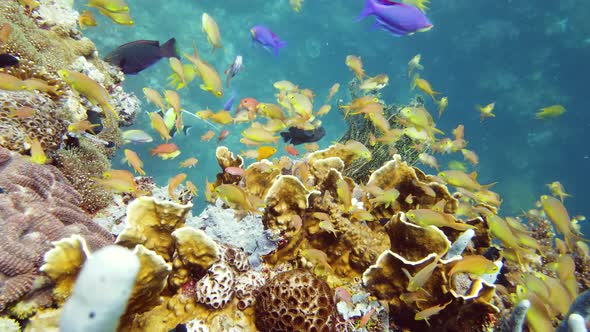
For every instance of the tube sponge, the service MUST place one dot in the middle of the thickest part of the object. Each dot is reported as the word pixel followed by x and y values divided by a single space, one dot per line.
pixel 101 291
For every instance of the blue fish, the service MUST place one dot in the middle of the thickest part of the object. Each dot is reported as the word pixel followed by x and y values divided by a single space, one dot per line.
pixel 397 18
pixel 265 37
pixel 229 103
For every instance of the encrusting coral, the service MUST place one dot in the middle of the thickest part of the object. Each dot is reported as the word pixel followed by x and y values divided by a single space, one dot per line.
pixel 37 206
pixel 295 300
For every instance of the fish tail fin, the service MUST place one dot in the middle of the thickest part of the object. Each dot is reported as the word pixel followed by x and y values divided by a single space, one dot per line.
pixel 278 46
pixel 286 136
pixel 368 10
pixel 169 50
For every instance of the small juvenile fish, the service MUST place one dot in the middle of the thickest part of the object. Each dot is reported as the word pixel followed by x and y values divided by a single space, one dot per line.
pixel 233 70
pixel 37 154
pixel 414 64
pixel 333 90
pixel 222 135
pixel 232 170
pixel 189 163
pixel 290 149
pixel 8 60
pixel 206 137
pixel 486 111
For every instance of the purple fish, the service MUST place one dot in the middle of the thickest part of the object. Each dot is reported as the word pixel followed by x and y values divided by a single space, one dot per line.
pixel 397 18
pixel 267 38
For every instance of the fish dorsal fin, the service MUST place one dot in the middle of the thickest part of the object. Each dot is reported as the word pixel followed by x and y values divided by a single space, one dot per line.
pixel 473 175
pixel 143 42
pixel 439 206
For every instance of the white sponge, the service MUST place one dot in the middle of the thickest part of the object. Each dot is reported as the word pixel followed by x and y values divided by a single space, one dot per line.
pixel 101 291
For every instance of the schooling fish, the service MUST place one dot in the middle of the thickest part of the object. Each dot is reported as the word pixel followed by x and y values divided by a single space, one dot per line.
pixel 233 69
pixel 298 136
pixel 268 39
pixel 137 55
pixel 397 18
pixel 7 60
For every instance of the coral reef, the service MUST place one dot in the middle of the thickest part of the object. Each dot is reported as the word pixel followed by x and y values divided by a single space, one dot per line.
pixel 295 301
pixel 361 129
pixel 80 165
pixel 47 124
pixel 37 206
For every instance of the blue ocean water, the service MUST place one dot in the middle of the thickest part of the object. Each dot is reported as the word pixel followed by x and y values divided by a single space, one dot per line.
pixel 523 55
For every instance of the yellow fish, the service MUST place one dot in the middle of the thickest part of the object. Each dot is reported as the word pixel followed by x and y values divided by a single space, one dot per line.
pixel 486 111
pixel 442 105
pixel 235 197
pixel 37 154
pixel 550 112
pixel 211 29
pixel 474 264
pixel 222 117
pixel 39 85
pixel 557 213
pixel 83 84
pixel 122 18
pixel 265 152
pixel 558 190
pixel 211 80
pixel 11 83
pixel 296 5
pixel 463 180
pixel 423 85
pixel 260 135
pixel 114 6
pixel 159 126
pixel 414 64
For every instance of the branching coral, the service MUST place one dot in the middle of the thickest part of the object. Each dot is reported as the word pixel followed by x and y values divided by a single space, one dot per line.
pixel 37 206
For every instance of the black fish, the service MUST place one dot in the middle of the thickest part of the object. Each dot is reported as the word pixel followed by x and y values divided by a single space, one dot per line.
pixel 7 60
pixel 299 136
pixel 137 55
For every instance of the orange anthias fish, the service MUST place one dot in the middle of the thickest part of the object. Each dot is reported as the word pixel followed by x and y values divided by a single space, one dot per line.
pixel 222 135
pixel 166 151
pixel 86 19
pixel 133 160
pixel 22 112
pixel 174 182
pixel 5 31
pixel 120 181
pixel 206 137
pixel 291 150
pixel 189 163
pixel 248 104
